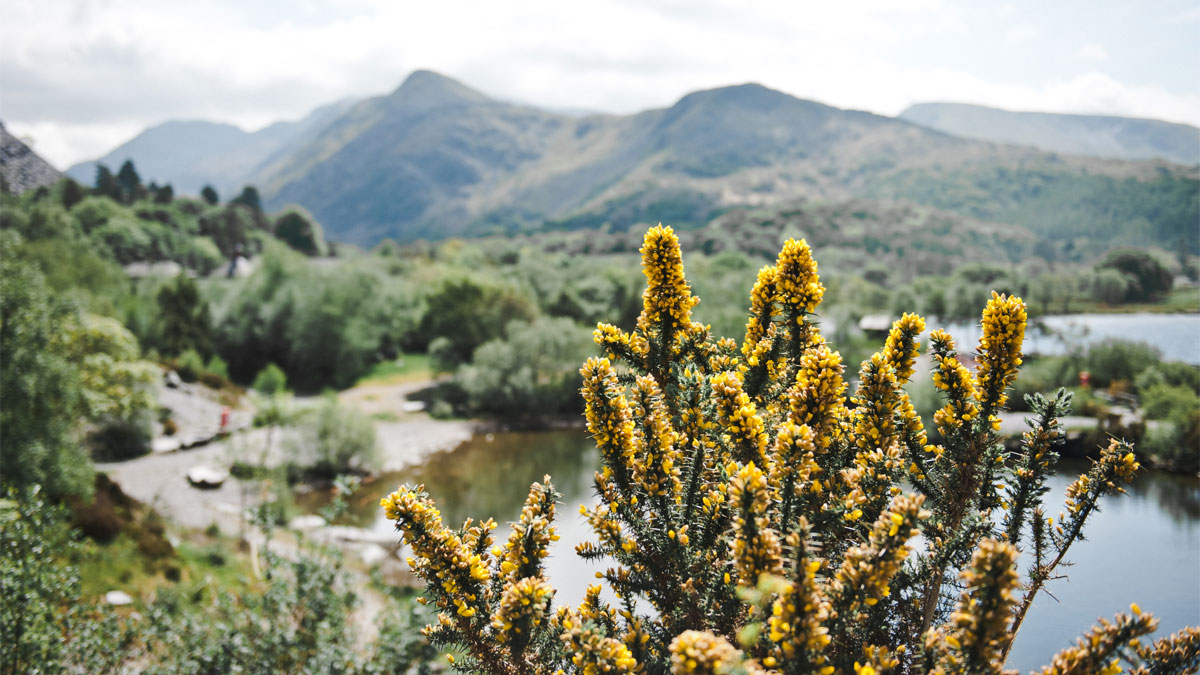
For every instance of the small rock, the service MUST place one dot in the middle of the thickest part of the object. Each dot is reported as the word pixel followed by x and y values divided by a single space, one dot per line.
pixel 358 535
pixel 413 406
pixel 164 444
pixel 373 555
pixel 202 476
pixel 118 598
pixel 172 379
pixel 308 522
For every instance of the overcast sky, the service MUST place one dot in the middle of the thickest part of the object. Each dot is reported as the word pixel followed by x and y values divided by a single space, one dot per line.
pixel 78 77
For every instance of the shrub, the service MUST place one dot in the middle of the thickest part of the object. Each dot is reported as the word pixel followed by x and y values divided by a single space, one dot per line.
pixel 339 439
pixel 270 380
pixel 533 372
pixel 190 365
pixel 216 366
pixel 762 514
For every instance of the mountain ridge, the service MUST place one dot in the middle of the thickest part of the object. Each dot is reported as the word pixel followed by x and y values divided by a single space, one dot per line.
pixel 435 158
pixel 1109 136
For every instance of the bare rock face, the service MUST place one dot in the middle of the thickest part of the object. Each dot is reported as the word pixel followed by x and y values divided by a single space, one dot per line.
pixel 21 167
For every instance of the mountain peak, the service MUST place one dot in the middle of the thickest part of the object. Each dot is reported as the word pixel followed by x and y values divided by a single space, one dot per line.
pixel 434 89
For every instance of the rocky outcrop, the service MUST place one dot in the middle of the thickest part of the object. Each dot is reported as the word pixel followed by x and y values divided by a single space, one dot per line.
pixel 21 167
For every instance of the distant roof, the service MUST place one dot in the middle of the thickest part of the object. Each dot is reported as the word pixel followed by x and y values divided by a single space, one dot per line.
pixel 875 322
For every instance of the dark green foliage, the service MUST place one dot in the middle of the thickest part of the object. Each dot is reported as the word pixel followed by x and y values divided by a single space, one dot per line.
pixel 234 228
pixel 31 617
pixel 129 183
pixel 72 193
pixel 297 229
pixel 209 195
pixel 119 439
pixel 184 319
pixel 163 195
pixel 251 633
pixel 106 183
pixel 40 397
pixel 323 326
pixel 45 626
pixel 1146 277
pixel 468 313
pixel 249 198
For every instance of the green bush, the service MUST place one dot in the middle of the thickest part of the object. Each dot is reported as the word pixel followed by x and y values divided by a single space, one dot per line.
pixel 1114 360
pixel 190 365
pixel 1164 401
pixel 41 397
pixel 45 626
pixel 216 366
pixel 532 373
pixel 270 380
pixel 338 439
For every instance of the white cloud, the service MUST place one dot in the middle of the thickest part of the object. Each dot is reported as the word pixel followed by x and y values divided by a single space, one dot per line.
pixel 1092 53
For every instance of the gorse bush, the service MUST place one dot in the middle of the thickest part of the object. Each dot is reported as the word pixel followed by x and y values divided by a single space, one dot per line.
pixel 758 520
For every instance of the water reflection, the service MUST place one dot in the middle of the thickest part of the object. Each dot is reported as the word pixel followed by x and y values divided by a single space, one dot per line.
pixel 1143 547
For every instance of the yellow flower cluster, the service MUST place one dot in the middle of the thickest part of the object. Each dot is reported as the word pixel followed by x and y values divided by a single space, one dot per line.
pixel 953 378
pixel 523 605
pixel 739 418
pixel 655 464
pixel 900 351
pixel 874 415
pixel 440 556
pixel 816 398
pixel 796 626
pixel 696 652
pixel 521 556
pixel 864 575
pixel 609 419
pixel 593 653
pixel 1178 653
pixel 755 548
pixel 975 639
pixel 1098 652
pixel 999 348
pixel 667 301
pixel 742 495
pixel 798 286
pixel 1116 465
pixel 762 309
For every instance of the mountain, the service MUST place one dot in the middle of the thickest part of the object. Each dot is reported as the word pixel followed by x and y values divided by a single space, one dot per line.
pixel 192 154
pixel 436 159
pixel 21 168
pixel 1092 135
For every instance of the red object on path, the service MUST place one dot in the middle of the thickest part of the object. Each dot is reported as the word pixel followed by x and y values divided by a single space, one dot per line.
pixel 1085 379
pixel 224 417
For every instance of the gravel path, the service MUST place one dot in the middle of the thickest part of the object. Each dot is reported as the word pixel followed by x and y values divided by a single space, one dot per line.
pixel 160 479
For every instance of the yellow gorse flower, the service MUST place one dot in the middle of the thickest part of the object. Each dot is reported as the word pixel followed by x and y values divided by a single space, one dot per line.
pixel 746 500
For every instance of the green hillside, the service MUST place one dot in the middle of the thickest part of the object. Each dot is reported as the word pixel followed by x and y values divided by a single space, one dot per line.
pixel 436 159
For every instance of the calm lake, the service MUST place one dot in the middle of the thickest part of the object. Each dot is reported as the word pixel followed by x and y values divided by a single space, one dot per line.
pixel 1176 335
pixel 1143 547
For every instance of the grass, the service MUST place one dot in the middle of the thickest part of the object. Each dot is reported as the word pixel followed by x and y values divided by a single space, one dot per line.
pixel 407 368
pixel 1179 300
pixel 199 560
pixel 385 416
